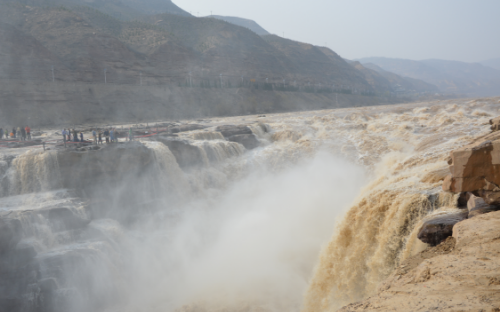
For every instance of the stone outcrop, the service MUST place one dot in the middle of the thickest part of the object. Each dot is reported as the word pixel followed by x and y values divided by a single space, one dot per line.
pixel 241 134
pixel 461 274
pixel 185 128
pixel 495 124
pixel 249 141
pixel 475 173
pixel 475 166
pixel 230 130
pixel 436 229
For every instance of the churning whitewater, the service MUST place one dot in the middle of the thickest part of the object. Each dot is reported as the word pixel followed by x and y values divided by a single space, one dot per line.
pixel 313 218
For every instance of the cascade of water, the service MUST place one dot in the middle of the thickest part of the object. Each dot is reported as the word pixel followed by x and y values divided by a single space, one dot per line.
pixel 219 151
pixel 34 172
pixel 407 152
pixel 168 177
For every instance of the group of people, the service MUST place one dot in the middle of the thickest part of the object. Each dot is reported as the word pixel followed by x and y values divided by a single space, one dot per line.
pixel 71 135
pixel 110 135
pixel 19 132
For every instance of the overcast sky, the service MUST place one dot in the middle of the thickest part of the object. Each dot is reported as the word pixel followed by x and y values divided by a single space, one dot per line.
pixel 414 29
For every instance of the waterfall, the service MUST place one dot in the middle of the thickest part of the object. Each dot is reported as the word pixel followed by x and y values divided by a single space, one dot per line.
pixel 219 151
pixel 379 230
pixel 168 178
pixel 327 206
pixel 34 171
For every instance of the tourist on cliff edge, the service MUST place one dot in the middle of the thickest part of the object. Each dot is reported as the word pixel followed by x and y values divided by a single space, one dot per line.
pixel 23 134
pixel 28 132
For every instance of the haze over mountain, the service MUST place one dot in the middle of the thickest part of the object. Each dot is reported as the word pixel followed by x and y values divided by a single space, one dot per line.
pixel 472 79
pixel 85 63
pixel 80 42
pixel 493 63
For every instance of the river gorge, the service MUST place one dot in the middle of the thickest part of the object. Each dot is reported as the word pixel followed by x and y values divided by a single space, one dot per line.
pixel 305 211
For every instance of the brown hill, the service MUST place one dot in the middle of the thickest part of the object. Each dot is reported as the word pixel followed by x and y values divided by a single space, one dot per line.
pixel 311 63
pixel 167 47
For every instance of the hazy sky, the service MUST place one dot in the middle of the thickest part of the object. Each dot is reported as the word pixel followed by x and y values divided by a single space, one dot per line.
pixel 415 29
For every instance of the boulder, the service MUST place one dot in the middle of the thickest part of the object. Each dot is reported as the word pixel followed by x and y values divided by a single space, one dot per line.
pixel 483 210
pixel 231 130
pixel 437 228
pixel 490 197
pixel 495 124
pixel 475 202
pixel 477 206
pixel 475 166
pixel 249 141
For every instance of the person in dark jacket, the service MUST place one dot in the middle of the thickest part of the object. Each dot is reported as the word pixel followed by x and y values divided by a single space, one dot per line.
pixel 14 131
pixel 75 136
pixel 23 134
pixel 106 134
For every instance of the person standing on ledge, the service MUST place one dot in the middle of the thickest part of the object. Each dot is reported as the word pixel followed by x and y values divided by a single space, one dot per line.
pixel 14 131
pixel 75 136
pixel 64 134
pixel 23 134
pixel 100 137
pixel 94 135
pixel 106 134
pixel 28 132
pixel 81 136
pixel 111 137
pixel 1 133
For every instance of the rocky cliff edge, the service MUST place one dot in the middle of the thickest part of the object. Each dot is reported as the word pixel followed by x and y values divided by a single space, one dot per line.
pixel 460 271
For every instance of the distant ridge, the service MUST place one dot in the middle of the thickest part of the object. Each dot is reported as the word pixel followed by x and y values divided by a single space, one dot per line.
pixel 452 77
pixel 243 22
pixel 493 63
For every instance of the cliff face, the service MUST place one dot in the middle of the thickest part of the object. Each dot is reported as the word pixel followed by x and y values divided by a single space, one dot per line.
pixel 49 103
pixel 461 274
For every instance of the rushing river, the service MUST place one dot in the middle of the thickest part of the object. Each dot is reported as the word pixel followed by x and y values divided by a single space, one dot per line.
pixel 312 219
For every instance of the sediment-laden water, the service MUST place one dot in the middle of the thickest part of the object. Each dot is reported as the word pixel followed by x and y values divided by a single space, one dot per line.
pixel 313 218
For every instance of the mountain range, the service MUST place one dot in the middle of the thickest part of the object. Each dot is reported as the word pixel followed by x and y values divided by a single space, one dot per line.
pixel 156 42
pixel 493 63
pixel 452 77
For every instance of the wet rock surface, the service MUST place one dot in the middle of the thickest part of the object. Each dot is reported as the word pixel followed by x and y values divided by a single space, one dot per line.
pixel 232 130
pixel 185 128
pixel 249 141
pixel 436 229
pixel 187 155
